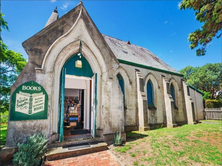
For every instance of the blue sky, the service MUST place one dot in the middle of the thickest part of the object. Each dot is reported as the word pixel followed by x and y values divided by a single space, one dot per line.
pixel 157 25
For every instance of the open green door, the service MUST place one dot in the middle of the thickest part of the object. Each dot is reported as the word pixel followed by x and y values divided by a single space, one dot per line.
pixel 62 98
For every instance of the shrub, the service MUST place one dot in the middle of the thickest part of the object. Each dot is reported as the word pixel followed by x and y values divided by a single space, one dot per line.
pixel 118 140
pixel 31 152
pixel 4 117
pixel 206 95
pixel 209 103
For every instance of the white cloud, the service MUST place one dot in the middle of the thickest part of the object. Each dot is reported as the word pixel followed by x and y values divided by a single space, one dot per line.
pixel 52 1
pixel 64 6
pixel 165 22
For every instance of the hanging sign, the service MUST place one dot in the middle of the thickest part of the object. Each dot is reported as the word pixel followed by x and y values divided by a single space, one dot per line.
pixel 29 102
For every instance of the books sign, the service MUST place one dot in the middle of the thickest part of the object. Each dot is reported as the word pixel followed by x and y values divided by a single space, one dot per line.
pixel 29 102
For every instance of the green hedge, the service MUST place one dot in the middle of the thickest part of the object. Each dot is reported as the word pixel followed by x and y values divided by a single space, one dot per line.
pixel 213 103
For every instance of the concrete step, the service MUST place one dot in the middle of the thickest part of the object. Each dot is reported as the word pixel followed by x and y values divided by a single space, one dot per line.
pixel 73 150
pixel 75 140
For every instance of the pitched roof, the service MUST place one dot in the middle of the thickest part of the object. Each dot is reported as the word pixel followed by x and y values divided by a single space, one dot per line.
pixel 136 54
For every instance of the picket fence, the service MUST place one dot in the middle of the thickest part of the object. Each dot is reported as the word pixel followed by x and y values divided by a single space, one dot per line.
pixel 213 113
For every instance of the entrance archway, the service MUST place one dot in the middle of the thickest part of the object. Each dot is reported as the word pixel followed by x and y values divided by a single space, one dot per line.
pixel 53 65
pixel 77 82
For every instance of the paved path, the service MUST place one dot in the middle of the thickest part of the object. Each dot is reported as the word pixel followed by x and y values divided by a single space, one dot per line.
pixel 103 158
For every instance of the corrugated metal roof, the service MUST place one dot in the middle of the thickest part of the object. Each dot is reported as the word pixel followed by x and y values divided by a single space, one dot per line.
pixel 136 54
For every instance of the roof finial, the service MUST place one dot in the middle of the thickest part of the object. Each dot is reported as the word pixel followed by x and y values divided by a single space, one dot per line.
pixel 55 10
pixel 80 46
pixel 80 2
pixel 54 16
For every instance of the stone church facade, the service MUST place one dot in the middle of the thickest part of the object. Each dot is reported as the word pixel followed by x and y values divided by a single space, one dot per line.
pixel 125 87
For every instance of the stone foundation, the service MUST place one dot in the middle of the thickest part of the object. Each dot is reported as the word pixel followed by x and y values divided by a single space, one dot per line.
pixel 6 155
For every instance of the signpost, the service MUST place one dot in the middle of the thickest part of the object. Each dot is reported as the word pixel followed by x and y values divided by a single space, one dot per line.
pixel 29 102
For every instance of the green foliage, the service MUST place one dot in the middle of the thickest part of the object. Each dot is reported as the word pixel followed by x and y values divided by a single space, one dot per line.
pixel 3 133
pixel 207 78
pixel 135 163
pixel 4 117
pixel 206 95
pixel 188 71
pixel 118 140
pixel 185 145
pixel 213 103
pixel 31 152
pixel 11 64
pixel 208 12
pixel 132 154
pixel 4 24
pixel 124 149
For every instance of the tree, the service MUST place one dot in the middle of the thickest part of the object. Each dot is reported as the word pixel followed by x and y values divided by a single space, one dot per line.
pixel 11 64
pixel 208 12
pixel 207 78
pixel 4 24
pixel 188 71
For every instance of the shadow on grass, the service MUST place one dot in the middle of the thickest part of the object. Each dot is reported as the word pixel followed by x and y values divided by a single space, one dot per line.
pixel 132 136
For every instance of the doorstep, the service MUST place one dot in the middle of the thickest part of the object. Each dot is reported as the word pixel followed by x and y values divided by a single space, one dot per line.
pixel 72 150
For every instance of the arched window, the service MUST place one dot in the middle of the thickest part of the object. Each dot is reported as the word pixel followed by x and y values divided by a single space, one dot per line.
pixel 121 83
pixel 172 92
pixel 150 100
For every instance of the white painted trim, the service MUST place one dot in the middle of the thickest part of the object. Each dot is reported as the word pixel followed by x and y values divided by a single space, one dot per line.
pixel 78 77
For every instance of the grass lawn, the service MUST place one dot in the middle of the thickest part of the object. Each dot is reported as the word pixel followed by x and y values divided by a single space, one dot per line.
pixel 199 144
pixel 3 133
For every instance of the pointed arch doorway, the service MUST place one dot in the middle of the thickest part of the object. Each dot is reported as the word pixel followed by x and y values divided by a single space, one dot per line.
pixel 77 99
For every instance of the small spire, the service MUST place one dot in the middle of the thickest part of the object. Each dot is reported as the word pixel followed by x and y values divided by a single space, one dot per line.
pixel 54 16
pixel 55 10
pixel 80 2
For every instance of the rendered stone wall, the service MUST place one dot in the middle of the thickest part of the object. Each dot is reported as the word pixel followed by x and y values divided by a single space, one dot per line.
pixel 157 116
pixel 198 104
pixel 188 101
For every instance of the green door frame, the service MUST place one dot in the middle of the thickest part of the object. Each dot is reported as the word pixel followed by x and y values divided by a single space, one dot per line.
pixel 62 104
pixel 62 93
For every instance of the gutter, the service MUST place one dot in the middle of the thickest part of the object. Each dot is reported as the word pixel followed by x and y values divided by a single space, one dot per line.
pixel 148 67
pixel 196 89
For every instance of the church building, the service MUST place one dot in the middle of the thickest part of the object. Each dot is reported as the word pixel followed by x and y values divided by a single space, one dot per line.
pixel 79 81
